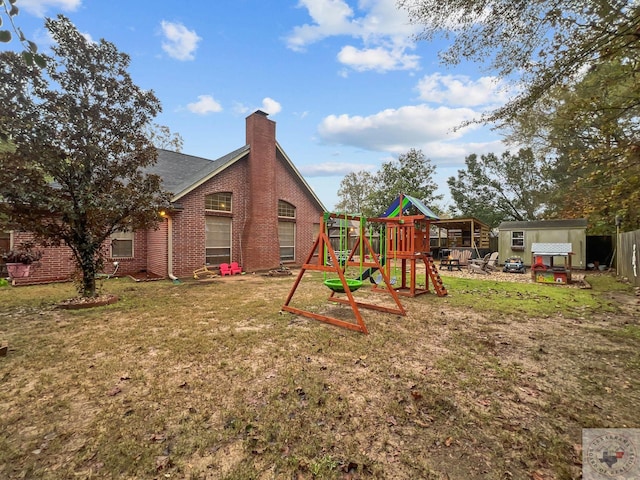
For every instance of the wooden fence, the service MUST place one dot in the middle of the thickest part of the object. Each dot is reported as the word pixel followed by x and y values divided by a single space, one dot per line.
pixel 628 257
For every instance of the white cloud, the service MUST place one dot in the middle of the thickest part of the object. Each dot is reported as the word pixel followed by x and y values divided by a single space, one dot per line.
pixel 461 90
pixel 331 17
pixel 240 108
pixel 270 106
pixel 40 7
pixel 379 59
pixel 383 29
pixel 334 169
pixel 205 104
pixel 88 37
pixel 396 130
pixel 181 43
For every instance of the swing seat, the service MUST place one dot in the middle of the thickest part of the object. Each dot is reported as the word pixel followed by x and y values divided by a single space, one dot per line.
pixel 336 285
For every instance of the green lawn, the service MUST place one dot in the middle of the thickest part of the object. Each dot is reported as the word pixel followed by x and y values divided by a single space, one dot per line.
pixel 211 380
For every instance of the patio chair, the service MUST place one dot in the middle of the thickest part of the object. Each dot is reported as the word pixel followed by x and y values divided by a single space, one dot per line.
pixel 492 263
pixel 225 269
pixel 481 262
pixel 235 268
pixel 477 268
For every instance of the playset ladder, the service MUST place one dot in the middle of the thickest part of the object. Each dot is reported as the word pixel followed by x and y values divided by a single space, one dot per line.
pixel 434 275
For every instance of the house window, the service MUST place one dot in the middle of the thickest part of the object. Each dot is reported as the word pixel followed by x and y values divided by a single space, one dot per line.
pixel 287 237
pixel 286 210
pixel 517 240
pixel 122 245
pixel 218 202
pixel 218 240
pixel 287 231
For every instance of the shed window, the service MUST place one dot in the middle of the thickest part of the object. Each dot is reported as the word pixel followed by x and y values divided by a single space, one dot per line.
pixel 517 240
pixel 218 202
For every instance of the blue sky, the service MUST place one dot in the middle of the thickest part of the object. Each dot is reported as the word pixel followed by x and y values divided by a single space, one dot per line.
pixel 344 81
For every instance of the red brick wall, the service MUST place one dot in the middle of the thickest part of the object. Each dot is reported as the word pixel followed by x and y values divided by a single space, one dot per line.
pixel 260 237
pixel 256 183
pixel 290 189
pixel 57 262
pixel 138 263
pixel 157 250
pixel 188 224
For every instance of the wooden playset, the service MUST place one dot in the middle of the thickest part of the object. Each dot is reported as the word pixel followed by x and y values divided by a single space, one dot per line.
pixel 404 244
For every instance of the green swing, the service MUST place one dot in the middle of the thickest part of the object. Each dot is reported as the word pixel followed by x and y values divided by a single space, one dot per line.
pixel 335 284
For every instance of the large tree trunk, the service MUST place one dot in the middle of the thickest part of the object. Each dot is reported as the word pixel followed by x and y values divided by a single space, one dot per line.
pixel 87 264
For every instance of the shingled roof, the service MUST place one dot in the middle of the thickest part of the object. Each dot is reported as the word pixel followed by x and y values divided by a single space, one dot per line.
pixel 182 173
pixel 539 224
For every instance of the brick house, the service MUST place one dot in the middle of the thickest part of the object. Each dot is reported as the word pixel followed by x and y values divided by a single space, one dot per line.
pixel 250 205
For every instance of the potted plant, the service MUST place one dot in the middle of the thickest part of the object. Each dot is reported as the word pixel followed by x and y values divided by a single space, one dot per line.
pixel 19 260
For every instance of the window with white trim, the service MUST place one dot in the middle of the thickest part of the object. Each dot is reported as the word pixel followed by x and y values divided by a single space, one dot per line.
pixel 287 231
pixel 287 238
pixel 122 245
pixel 217 240
pixel 517 240
pixel 218 202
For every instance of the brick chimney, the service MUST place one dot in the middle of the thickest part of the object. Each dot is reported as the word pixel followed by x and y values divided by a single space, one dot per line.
pixel 261 249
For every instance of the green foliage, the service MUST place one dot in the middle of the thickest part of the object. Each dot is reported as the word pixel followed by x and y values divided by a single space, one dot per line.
pixel 162 137
pixel 355 191
pixel 411 174
pixel 75 176
pixel 574 64
pixel 495 189
pixel 30 53
pixel 593 130
pixel 371 194
pixel 536 43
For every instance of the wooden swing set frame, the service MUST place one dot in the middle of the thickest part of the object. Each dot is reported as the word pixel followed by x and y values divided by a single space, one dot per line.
pixel 407 243
pixel 322 251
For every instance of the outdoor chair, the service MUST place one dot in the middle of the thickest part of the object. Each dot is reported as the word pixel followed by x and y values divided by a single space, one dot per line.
pixel 225 269
pixel 235 268
pixel 492 263
pixel 477 265
pixel 477 268
pixel 479 262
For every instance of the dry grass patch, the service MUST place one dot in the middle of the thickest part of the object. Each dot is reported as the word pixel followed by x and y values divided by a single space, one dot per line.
pixel 210 380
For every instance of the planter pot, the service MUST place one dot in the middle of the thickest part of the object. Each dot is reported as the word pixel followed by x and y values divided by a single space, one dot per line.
pixel 18 270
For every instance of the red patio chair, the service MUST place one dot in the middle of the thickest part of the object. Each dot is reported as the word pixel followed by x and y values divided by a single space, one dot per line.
pixel 235 268
pixel 225 269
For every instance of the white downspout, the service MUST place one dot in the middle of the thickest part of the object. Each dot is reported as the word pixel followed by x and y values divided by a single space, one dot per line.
pixel 170 249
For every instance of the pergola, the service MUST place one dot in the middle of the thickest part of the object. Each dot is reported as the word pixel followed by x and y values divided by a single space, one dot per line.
pixel 460 232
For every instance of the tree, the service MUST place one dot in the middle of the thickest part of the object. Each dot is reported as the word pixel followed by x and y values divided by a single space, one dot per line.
pixel 74 173
pixel 30 53
pixel 355 192
pixel 496 189
pixel 538 43
pixel 411 174
pixel 162 137
pixel 590 130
